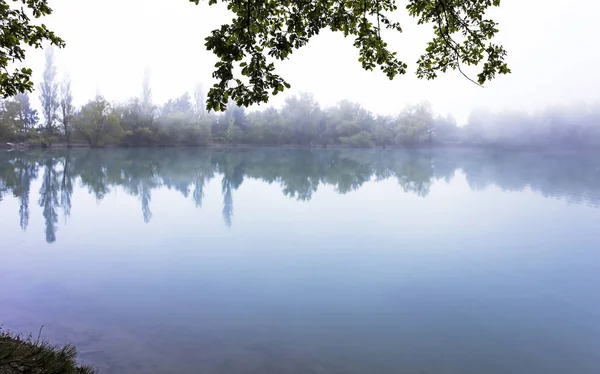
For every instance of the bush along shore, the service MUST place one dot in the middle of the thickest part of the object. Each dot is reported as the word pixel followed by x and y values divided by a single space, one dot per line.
pixel 24 354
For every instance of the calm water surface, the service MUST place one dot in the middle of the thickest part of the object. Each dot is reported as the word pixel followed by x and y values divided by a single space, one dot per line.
pixel 296 261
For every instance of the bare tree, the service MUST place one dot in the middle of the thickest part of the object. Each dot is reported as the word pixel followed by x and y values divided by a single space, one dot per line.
pixel 49 92
pixel 66 110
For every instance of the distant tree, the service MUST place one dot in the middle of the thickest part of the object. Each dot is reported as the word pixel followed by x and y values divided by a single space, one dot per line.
pixel 267 127
pixel 66 109
pixel 383 131
pixel 28 117
pixel 446 130
pixel 137 117
pixel 7 129
pixel 182 104
pixel 146 100
pixel 180 123
pixel 237 126
pixel 17 118
pixel 199 101
pixel 18 30
pixel 49 93
pixel 137 123
pixel 350 124
pixel 415 125
pixel 478 125
pixel 302 114
pixel 98 123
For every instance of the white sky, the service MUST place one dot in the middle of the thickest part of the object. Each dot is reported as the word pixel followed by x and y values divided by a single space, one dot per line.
pixel 551 48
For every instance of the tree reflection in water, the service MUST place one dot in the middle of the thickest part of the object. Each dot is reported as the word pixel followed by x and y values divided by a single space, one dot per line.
pixel 299 172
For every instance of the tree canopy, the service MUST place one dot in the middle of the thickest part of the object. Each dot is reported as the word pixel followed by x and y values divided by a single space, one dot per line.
pixel 264 31
pixel 17 29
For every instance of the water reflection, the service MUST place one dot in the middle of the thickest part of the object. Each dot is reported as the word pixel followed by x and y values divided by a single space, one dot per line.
pixel 15 177
pixel 300 173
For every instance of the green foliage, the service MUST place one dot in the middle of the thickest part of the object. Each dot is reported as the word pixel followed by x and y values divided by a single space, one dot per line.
pixel 9 120
pixel 301 121
pixel 176 123
pixel 362 139
pixel 302 114
pixel 137 122
pixel 183 124
pixel 467 19
pixel 267 128
pixel 17 30
pixel 17 118
pixel 415 125
pixel 20 354
pixel 98 123
pixel 264 31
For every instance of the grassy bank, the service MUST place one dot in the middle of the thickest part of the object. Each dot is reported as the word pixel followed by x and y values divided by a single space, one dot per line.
pixel 24 354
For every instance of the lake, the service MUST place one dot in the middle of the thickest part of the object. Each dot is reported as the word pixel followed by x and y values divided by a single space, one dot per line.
pixel 305 261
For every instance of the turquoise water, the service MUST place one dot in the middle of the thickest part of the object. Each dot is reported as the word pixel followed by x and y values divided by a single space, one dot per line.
pixel 305 261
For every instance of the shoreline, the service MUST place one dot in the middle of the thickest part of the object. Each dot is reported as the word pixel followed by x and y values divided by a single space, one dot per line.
pixel 24 354
pixel 9 147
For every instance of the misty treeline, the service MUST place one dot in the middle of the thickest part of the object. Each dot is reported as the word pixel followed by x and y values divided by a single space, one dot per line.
pixel 183 121
pixel 299 173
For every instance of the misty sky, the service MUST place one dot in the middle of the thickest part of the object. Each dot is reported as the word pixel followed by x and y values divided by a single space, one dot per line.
pixel 550 43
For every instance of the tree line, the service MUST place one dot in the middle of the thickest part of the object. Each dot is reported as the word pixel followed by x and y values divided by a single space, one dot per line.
pixel 300 173
pixel 184 121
